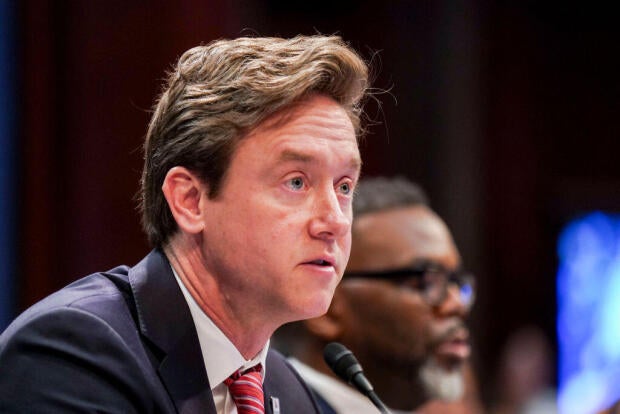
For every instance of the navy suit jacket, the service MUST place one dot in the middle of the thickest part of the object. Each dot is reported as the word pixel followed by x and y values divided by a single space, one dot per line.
pixel 324 406
pixel 121 341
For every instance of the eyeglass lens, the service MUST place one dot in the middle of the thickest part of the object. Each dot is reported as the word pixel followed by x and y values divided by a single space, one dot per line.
pixel 434 285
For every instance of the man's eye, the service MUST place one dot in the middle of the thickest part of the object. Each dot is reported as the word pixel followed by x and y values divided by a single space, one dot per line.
pixel 345 188
pixel 296 183
pixel 415 283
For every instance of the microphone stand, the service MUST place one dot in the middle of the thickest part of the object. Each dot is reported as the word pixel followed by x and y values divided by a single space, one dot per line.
pixel 378 403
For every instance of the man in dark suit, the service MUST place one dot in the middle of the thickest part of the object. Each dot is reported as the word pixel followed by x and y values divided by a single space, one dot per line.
pixel 251 160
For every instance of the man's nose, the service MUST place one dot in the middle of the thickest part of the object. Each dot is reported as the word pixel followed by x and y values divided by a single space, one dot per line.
pixel 329 220
pixel 453 304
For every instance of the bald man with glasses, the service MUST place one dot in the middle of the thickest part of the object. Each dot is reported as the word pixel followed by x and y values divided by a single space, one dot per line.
pixel 401 308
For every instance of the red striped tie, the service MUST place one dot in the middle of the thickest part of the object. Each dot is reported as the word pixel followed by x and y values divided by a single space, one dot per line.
pixel 247 390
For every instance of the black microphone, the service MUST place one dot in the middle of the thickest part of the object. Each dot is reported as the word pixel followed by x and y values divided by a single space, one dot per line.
pixel 344 364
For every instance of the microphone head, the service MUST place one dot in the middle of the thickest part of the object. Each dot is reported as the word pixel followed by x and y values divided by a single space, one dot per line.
pixel 345 366
pixel 342 361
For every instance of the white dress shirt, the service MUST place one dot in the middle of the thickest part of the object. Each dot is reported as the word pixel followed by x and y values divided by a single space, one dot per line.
pixel 221 357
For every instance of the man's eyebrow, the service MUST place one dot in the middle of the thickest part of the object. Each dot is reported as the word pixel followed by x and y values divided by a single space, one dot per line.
pixel 426 262
pixel 432 264
pixel 291 155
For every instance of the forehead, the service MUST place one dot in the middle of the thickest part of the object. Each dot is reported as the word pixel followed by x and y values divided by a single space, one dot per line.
pixel 317 130
pixel 399 237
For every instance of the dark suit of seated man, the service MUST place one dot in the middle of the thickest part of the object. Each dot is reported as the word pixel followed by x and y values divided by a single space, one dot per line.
pixel 251 160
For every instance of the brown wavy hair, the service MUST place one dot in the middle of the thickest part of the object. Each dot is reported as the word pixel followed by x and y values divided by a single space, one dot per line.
pixel 218 92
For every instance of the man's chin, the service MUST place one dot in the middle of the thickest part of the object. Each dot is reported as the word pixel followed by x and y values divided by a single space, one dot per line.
pixel 446 384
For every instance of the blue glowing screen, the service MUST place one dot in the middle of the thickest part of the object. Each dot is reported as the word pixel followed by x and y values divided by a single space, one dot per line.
pixel 588 324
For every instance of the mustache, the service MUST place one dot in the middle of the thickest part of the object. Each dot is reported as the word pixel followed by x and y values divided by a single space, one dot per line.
pixel 455 329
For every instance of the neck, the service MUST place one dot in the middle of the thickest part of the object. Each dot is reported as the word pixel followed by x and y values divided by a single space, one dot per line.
pixel 398 386
pixel 311 354
pixel 245 329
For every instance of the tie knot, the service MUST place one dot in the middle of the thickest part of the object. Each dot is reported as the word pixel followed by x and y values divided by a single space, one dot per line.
pixel 246 389
pixel 253 371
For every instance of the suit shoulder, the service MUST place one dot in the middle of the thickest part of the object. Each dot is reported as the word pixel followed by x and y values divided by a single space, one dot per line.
pixel 68 355
pixel 101 298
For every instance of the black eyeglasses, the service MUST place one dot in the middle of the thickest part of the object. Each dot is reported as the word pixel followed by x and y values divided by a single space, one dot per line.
pixel 431 281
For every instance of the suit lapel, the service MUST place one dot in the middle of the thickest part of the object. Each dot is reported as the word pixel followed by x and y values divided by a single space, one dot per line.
pixel 284 384
pixel 165 320
pixel 185 377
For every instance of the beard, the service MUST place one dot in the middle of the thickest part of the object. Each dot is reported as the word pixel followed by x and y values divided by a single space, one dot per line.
pixel 441 383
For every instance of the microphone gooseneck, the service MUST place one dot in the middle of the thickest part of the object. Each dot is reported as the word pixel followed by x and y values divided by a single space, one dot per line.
pixel 344 364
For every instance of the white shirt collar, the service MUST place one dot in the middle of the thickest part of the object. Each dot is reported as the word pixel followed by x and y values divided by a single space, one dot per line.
pixel 221 357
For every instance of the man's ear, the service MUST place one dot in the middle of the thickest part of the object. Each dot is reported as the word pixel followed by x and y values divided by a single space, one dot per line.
pixel 183 191
pixel 329 326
